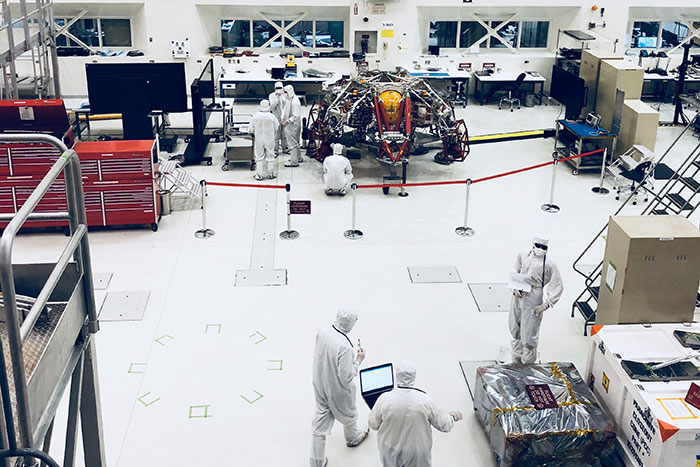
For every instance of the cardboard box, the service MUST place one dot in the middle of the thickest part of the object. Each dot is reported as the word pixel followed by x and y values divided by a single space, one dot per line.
pixel 640 123
pixel 590 72
pixel 651 270
pixel 617 74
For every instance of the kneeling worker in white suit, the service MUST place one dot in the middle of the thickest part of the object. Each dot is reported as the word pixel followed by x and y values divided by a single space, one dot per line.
pixel 405 418
pixel 337 172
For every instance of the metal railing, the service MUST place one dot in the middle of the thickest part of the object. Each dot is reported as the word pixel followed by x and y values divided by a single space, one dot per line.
pixel 76 249
pixel 658 195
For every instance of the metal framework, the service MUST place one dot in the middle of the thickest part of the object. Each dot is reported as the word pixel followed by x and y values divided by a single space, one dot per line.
pixel 45 351
pixel 27 34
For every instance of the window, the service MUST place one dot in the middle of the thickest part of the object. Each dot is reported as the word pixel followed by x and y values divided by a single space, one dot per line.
pixel 534 34
pixel 310 34
pixel 115 32
pixel 263 32
pixel 96 32
pixel 470 32
pixel 509 33
pixel 235 33
pixel 645 35
pixel 330 34
pixel 86 31
pixel 443 34
pixel 302 32
pixel 672 33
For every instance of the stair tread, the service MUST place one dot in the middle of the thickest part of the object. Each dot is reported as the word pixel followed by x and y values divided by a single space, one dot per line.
pixel 586 310
pixel 679 201
pixel 691 183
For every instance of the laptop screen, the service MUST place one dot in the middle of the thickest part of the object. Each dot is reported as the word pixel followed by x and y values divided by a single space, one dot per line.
pixel 375 378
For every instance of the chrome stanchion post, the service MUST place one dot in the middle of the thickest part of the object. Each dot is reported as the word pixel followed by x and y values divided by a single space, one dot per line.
pixel 289 234
pixel 601 190
pixel 204 232
pixel 353 233
pixel 465 230
pixel 551 207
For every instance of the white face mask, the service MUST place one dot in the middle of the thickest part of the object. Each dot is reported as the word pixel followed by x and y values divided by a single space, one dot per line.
pixel 538 251
pixel 278 91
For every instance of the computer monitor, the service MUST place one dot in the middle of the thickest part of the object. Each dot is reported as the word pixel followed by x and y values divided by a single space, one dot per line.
pixel 569 90
pixel 376 381
pixel 135 90
pixel 277 73
pixel 434 50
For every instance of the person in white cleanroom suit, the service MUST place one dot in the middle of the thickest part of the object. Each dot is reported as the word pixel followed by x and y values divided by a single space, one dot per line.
pixel 527 308
pixel 264 127
pixel 337 171
pixel 291 121
pixel 278 100
pixel 334 371
pixel 405 418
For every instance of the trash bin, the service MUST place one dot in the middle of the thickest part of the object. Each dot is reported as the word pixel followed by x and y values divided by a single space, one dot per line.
pixel 529 100
pixel 166 198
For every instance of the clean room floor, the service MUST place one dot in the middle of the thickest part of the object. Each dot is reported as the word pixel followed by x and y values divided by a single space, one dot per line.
pixel 198 380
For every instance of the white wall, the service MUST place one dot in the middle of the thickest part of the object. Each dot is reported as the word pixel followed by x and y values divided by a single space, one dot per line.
pixel 156 22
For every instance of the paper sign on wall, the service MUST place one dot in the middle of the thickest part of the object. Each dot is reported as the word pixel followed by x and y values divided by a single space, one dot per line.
pixel 610 277
pixel 388 33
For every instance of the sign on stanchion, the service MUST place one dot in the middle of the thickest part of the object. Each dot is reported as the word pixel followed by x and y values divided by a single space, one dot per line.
pixel 290 234
pixel 353 233
pixel 204 232
pixel 551 207
pixel 601 190
pixel 465 230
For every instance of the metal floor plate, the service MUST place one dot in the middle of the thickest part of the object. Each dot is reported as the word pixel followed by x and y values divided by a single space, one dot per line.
pixel 101 280
pixel 469 371
pixel 264 234
pixel 491 297
pixel 261 277
pixel 124 306
pixel 434 275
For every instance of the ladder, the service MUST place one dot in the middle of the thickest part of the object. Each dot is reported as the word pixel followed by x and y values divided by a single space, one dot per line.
pixel 177 180
pixel 680 195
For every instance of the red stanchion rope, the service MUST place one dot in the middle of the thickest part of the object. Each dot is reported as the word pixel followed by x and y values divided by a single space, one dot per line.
pixel 246 185
pixel 483 179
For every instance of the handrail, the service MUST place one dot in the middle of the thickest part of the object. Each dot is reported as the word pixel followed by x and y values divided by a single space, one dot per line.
pixel 51 282
pixel 78 248
pixel 649 174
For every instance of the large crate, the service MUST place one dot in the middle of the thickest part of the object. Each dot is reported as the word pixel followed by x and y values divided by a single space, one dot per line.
pixel 562 424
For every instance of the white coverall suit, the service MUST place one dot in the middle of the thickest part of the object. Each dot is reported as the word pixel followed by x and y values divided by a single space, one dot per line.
pixel 291 120
pixel 264 126
pixel 523 322
pixel 337 171
pixel 277 103
pixel 404 418
pixel 334 372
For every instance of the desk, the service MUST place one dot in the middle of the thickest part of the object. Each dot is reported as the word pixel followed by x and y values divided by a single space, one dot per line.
pixel 456 78
pixel 230 82
pixel 504 78
pixel 663 86
pixel 574 136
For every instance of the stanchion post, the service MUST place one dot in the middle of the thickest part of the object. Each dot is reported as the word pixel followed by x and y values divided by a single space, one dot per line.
pixel 465 230
pixel 601 190
pixel 204 232
pixel 551 207
pixel 353 233
pixel 289 234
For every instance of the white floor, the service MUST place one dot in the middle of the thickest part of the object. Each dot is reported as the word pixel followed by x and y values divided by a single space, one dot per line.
pixel 152 372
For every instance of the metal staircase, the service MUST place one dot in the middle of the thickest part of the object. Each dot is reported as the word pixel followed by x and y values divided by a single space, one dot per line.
pixel 680 195
pixel 179 181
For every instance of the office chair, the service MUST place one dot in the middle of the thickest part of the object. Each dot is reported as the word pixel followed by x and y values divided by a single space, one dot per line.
pixel 513 89
pixel 636 176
